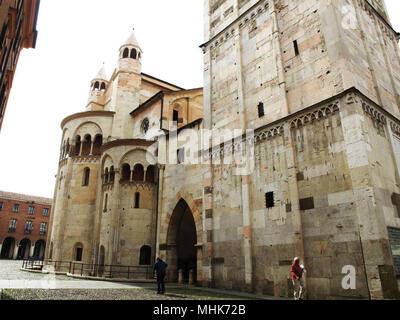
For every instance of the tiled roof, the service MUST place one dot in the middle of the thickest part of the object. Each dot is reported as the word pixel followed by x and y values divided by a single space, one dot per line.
pixel 23 197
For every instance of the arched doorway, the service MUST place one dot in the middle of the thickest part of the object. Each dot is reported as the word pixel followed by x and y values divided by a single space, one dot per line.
pixel 181 243
pixel 78 252
pixel 8 248
pixel 24 249
pixel 145 256
pixel 40 248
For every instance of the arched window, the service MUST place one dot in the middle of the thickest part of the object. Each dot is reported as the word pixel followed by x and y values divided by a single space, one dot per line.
pixel 86 177
pixel 68 149
pixel 112 174
pixel 63 151
pixel 78 252
pixel 106 203
pixel 137 200
pixel 78 143
pixel 150 174
pixel 98 142
pixel 138 173
pixel 144 128
pixel 133 53
pixel 96 85
pixel 126 172
pixel 261 112
pixel 126 53
pixel 145 256
pixel 87 144
pixel 106 176
pixel 103 86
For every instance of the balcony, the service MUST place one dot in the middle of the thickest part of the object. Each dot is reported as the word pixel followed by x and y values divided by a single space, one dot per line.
pixel 28 232
pixel 11 230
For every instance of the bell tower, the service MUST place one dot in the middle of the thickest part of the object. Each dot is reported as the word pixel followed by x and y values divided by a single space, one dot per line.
pixel 97 94
pixel 130 56
pixel 127 85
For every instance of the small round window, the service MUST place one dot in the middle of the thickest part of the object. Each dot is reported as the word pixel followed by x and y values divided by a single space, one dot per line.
pixel 145 125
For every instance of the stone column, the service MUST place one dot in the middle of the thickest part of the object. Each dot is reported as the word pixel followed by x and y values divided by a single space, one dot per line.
pixel 113 242
pixel 32 250
pixel 81 148
pixel 131 177
pixel 64 209
pixel 191 277
pixel 207 217
pixel 100 205
pixel 160 206
pixel 291 164
pixel 91 147
pixel 180 276
pixel 367 50
pixel 395 148
pixel 247 228
pixel 16 247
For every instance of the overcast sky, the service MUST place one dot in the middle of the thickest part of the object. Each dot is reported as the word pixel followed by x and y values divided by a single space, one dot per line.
pixel 75 38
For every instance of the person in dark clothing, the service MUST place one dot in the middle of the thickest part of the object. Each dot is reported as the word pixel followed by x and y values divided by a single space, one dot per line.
pixel 297 271
pixel 160 268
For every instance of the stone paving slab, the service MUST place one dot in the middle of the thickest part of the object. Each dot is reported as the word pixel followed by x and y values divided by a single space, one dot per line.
pixel 41 286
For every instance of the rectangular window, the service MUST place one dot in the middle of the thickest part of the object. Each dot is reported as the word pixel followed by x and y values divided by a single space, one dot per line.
pixel 12 226
pixel 137 200
pixel 16 208
pixel 394 240
pixel 105 203
pixel 86 177
pixel 45 212
pixel 31 210
pixel 296 47
pixel 28 227
pixel 43 228
pixel 176 116
pixel 181 155
pixel 79 253
pixel 307 204
pixel 1 206
pixel 261 110
pixel 269 200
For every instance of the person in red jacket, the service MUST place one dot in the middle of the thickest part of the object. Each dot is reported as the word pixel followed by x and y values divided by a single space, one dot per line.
pixel 297 277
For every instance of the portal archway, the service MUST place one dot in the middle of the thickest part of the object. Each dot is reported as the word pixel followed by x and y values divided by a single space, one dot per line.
pixel 8 248
pixel 24 249
pixel 40 248
pixel 181 243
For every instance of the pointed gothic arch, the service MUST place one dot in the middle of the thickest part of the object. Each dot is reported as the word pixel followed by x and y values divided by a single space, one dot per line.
pixel 181 242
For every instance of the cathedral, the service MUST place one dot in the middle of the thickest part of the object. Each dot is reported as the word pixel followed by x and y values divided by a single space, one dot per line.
pixel 311 87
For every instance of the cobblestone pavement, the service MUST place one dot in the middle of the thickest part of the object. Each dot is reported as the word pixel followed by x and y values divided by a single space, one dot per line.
pixel 12 277
pixel 114 294
pixel 16 284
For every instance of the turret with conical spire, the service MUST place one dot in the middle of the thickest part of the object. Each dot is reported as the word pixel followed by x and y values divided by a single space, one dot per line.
pixel 98 88
pixel 130 55
pixel 127 85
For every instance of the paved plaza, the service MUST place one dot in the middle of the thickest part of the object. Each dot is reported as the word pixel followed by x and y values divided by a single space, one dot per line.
pixel 22 285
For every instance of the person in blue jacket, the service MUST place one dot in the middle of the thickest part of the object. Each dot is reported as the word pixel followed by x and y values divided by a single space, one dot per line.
pixel 160 268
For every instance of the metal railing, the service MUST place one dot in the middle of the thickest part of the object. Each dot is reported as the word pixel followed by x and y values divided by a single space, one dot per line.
pixel 93 270
pixel 33 263
pixel 111 271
